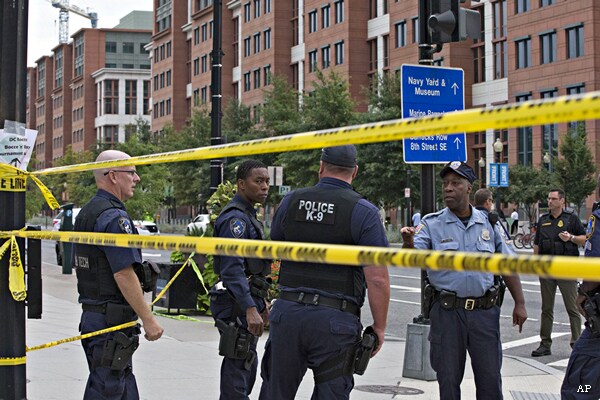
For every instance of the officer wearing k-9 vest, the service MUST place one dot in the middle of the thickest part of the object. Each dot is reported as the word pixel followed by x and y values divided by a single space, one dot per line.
pixel 110 282
pixel 582 377
pixel 559 233
pixel 464 306
pixel 315 323
pixel 238 299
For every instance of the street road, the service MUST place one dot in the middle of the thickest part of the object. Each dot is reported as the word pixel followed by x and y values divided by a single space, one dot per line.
pixel 405 305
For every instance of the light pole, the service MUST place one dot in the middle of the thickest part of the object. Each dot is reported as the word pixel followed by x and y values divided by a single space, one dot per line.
pixel 498 147
pixel 481 167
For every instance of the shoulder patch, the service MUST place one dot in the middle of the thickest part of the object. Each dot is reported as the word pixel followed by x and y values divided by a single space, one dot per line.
pixel 237 227
pixel 419 227
pixel 590 227
pixel 125 225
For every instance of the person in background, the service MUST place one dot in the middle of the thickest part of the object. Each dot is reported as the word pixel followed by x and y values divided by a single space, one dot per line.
pixel 111 282
pixel 559 232
pixel 416 218
pixel 464 311
pixel 237 301
pixel 515 222
pixel 315 323
pixel 484 201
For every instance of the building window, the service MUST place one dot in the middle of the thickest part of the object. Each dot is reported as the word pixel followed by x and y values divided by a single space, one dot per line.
pixel 372 55
pixel 146 104
pixel 256 8
pixel 372 9
pixel 575 42
pixel 294 22
pixel 256 74
pixel 196 66
pixel 247 86
pixel 131 97
pixel 196 36
pixel 162 52
pixel 325 16
pixel 544 3
pixel 400 28
pixel 415 30
pixel 386 51
pixel 204 94
pixel 267 6
pixel 500 19
pixel 312 21
pixel 549 133
pixel 295 76
pixel 500 59
pixel 247 47
pixel 267 74
pixel 548 47
pixel 78 53
pixel 156 82
pixel 247 12
pixel 111 96
pixel 339 53
pixel 267 38
pixel 128 48
pixel 522 6
pixel 479 62
pixel 168 77
pixel 574 126
pixel 204 63
pixel 111 135
pixel 256 43
pixel 339 11
pixel 523 53
pixel 128 66
pixel 524 139
pixel 256 114
pixel 312 61
pixel 325 57
pixel 169 48
pixel 110 47
pixel 196 98
pixel 58 68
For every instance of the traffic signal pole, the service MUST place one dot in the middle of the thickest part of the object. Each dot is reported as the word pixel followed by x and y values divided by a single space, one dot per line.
pixel 13 69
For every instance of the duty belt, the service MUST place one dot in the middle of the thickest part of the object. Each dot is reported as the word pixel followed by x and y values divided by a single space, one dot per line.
pixel 319 300
pixel 449 300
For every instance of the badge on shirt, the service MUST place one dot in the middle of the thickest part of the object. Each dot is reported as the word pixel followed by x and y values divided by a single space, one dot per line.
pixel 125 225
pixel 237 227
pixel 560 223
pixel 485 234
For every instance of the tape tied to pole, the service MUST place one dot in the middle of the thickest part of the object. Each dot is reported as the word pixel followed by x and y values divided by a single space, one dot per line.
pixel 13 179
pixel 16 272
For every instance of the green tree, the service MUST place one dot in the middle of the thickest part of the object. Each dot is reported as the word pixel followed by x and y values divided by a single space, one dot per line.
pixel 528 185
pixel 386 102
pixel 280 112
pixel 575 171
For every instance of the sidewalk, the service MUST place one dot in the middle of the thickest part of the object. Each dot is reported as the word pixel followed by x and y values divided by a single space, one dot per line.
pixel 184 363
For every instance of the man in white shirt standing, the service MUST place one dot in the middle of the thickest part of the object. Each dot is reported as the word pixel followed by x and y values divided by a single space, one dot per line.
pixel 515 222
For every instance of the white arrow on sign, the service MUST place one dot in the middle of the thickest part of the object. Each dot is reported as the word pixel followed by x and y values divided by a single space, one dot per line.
pixel 457 142
pixel 455 87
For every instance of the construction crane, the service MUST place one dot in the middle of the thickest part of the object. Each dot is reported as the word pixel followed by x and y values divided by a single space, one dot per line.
pixel 63 17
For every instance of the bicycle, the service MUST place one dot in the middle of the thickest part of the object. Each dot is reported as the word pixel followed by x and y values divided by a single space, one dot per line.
pixel 524 240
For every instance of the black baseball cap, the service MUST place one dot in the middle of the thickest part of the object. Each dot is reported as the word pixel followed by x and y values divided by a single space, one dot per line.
pixel 343 156
pixel 460 168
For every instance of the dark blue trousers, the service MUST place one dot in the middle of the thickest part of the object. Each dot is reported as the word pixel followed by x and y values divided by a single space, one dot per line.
pixel 236 381
pixel 104 384
pixel 452 334
pixel 301 337
pixel 582 378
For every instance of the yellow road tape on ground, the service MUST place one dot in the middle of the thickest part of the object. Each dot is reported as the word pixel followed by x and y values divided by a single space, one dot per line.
pixel 11 361
pixel 545 266
pixel 535 112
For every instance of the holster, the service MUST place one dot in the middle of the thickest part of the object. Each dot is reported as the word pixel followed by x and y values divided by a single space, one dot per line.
pixel 236 343
pixel 428 297
pixel 147 272
pixel 118 351
pixel 364 350
pixel 591 306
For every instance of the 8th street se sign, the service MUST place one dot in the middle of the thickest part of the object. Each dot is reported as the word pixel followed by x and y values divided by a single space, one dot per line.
pixel 431 91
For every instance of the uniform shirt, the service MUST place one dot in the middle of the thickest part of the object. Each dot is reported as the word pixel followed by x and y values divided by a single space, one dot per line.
pixel 235 224
pixel 549 227
pixel 444 231
pixel 592 235
pixel 115 220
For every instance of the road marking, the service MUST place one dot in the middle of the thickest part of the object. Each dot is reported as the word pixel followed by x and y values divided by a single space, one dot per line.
pixel 416 278
pixel 530 340
pixel 559 363
pixel 406 289
pixel 151 254
pixel 406 302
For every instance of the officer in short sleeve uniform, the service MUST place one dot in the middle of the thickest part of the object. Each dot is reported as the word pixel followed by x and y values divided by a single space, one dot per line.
pixel 582 377
pixel 97 288
pixel 316 320
pixel 464 314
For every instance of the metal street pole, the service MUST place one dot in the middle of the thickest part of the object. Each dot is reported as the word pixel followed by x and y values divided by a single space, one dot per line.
pixel 216 166
pixel 13 61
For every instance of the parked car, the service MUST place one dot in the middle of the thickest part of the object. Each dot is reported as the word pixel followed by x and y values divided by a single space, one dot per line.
pixel 146 227
pixel 56 224
pixel 199 223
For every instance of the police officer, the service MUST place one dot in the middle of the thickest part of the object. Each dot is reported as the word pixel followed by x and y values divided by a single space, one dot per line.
pixel 238 299
pixel 464 313
pixel 559 232
pixel 582 378
pixel 315 323
pixel 110 281
pixel 484 201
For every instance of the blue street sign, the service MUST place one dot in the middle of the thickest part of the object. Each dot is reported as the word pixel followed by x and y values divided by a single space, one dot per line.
pixel 503 175
pixel 430 91
pixel 493 181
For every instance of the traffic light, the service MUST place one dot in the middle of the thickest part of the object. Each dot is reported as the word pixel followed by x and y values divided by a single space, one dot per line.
pixel 449 22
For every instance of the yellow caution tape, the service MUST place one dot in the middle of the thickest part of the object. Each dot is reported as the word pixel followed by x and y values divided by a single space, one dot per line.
pixel 529 113
pixel 13 179
pixel 11 361
pixel 16 273
pixel 179 271
pixel 545 266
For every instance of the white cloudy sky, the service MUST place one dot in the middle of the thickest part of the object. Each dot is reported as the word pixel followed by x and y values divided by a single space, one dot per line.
pixel 43 21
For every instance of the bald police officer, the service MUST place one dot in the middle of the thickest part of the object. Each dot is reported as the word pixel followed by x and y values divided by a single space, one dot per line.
pixel 465 313
pixel 316 321
pixel 582 378
pixel 110 281
pixel 238 299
